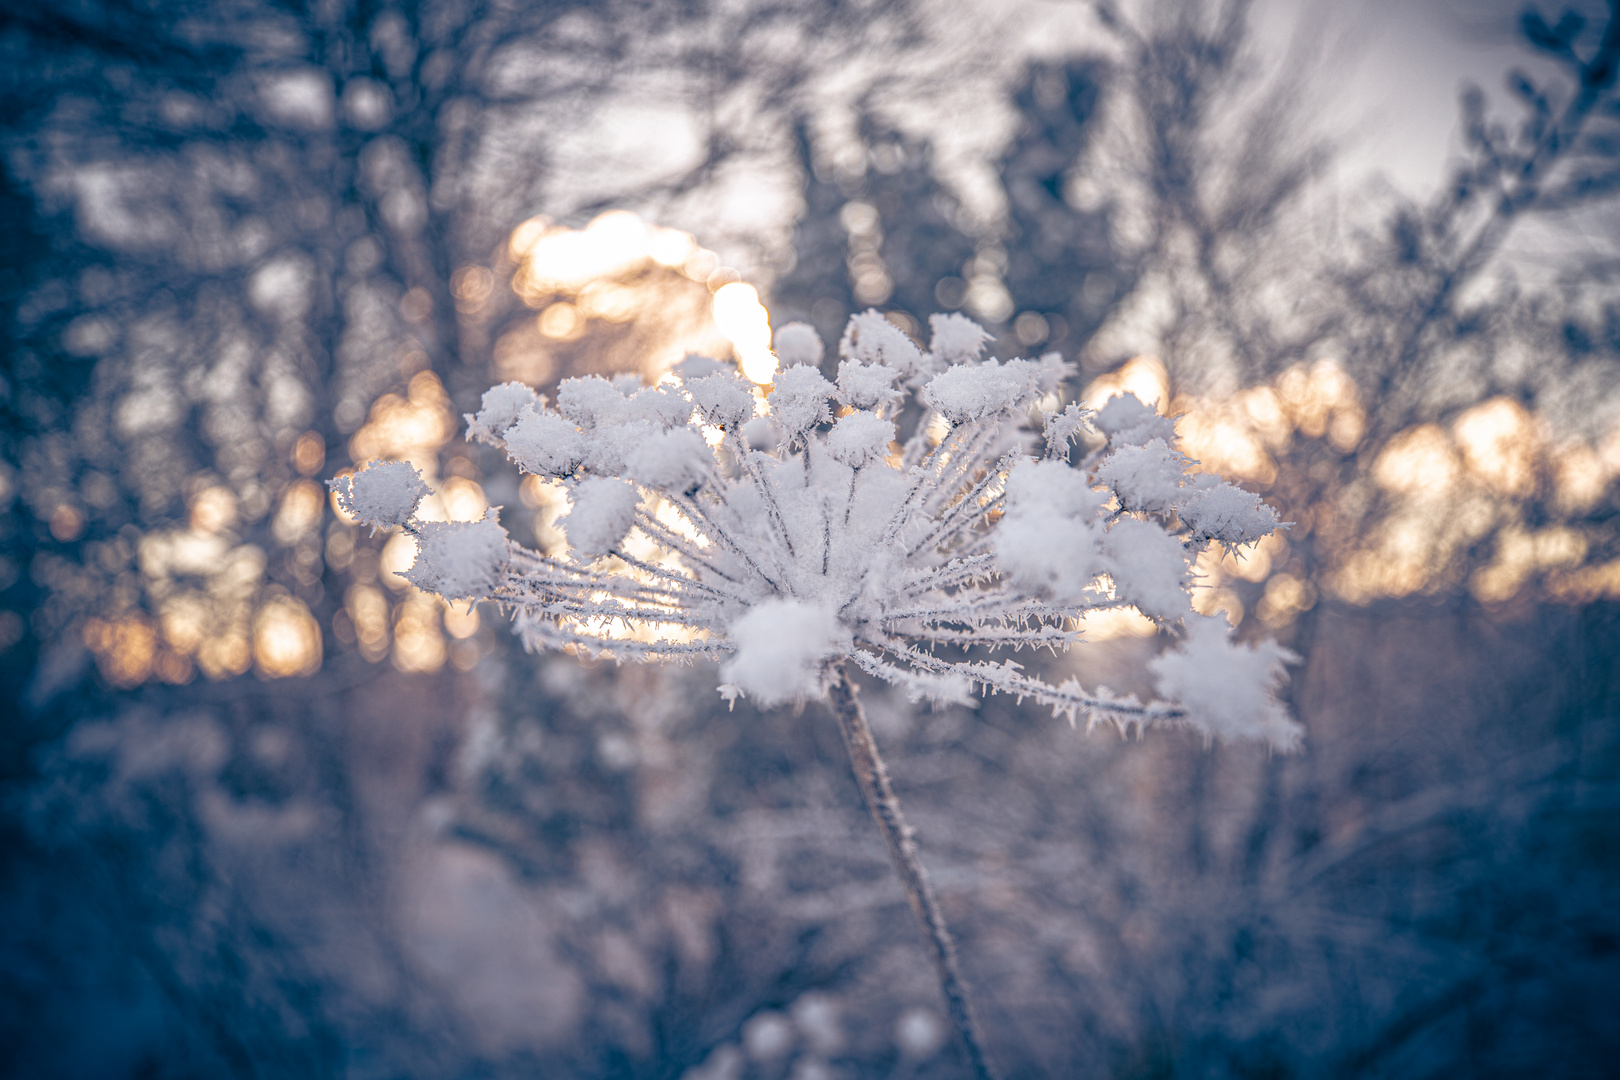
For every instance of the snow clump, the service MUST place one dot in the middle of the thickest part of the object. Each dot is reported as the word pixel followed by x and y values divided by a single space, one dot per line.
pixel 1227 689
pixel 382 495
pixel 603 513
pixel 460 560
pixel 859 439
pixel 956 339
pixel 501 407
pixel 782 646
pixel 799 400
pixel 1128 422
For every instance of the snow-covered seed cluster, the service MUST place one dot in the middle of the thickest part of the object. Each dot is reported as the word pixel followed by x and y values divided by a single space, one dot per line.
pixel 787 534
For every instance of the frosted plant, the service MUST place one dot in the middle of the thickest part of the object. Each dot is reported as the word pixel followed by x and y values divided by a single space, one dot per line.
pixel 917 519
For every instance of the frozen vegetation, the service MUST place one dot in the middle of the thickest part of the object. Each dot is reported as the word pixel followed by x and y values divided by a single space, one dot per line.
pixel 917 519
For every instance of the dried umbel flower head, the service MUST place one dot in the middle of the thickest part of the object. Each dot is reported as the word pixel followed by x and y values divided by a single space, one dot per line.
pixel 785 540
pixel 788 541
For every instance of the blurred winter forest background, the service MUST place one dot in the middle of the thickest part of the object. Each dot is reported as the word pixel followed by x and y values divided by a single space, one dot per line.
pixel 267 811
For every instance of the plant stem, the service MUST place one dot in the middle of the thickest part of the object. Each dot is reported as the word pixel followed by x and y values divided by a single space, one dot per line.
pixel 873 778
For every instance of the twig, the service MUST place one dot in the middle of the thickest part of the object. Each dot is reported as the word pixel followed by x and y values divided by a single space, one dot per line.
pixel 873 778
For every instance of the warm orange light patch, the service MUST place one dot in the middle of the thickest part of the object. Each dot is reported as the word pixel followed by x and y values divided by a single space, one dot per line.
pixel 300 511
pixel 124 648
pixel 621 273
pixel 397 556
pixel 1286 596
pixel 461 622
pixel 410 427
pixel 742 318
pixel 213 510
pixel 561 321
pixel 286 639
pixel 225 656
pixel 1109 623
pixel 1226 442
pixel 418 644
pixel 368 609
pixel 1418 461
pixel 309 453
pixel 1144 376
pixel 1319 400
pixel 1500 445
pixel 185 618
pixel 472 287
pixel 457 499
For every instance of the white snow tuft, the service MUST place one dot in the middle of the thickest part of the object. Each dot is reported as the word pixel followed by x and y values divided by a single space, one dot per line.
pixel 499 411
pixel 1215 510
pixel 799 400
pixel 859 439
pixel 673 460
pixel 956 339
pixel 725 400
pixel 382 495
pixel 590 401
pixel 969 392
pixel 1227 688
pixel 870 338
pixel 782 650
pixel 460 560
pixel 1147 478
pixel 661 407
pixel 603 511
pixel 1128 422
pixel 1149 567
pixel 866 386
pixel 545 444
pixel 1046 541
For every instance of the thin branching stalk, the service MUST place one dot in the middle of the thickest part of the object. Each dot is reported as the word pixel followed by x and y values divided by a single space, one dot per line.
pixel 873 778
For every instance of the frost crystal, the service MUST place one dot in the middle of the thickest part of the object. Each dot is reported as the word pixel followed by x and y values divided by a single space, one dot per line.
pixel 1047 540
pixel 1128 422
pixel 545 444
pixel 981 391
pixel 957 339
pixel 870 338
pixel 725 400
pixel 459 560
pixel 1226 688
pixel 866 386
pixel 799 401
pixel 1149 567
pixel 784 542
pixel 1220 511
pixel 502 406
pixel 859 439
pixel 382 495
pixel 1146 478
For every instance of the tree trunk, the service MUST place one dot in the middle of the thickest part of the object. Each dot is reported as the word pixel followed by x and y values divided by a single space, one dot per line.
pixel 873 778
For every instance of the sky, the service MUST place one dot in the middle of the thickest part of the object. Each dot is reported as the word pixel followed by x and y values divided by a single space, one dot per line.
pixel 1383 76
pixel 1392 73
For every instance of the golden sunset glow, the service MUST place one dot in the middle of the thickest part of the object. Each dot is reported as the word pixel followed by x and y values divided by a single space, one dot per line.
pixel 743 319
pixel 286 639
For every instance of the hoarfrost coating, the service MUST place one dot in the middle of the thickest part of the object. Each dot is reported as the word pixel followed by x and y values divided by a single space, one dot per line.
pixel 911 520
